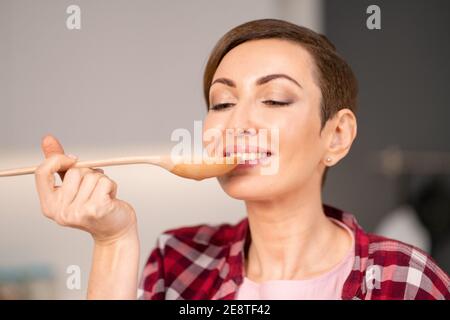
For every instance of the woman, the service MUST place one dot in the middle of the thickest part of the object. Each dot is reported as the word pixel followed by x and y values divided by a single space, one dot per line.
pixel 264 74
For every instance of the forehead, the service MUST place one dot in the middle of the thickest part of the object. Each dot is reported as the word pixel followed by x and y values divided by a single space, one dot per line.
pixel 256 58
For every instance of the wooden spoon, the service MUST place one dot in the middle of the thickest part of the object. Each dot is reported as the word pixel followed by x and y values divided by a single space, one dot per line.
pixel 197 170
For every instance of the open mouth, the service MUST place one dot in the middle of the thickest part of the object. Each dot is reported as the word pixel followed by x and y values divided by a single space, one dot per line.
pixel 248 156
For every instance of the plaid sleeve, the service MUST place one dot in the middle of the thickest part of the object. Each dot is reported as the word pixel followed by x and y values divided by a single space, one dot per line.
pixel 426 279
pixel 399 271
pixel 152 286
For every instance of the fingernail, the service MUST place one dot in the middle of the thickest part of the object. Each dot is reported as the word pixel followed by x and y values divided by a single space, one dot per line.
pixel 72 156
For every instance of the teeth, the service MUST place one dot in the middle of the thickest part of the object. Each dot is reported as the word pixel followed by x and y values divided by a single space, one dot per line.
pixel 248 156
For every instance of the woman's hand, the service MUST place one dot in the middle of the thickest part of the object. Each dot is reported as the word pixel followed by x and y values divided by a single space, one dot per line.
pixel 86 199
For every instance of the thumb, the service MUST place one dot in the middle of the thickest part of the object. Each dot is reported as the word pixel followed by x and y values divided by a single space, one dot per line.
pixel 51 146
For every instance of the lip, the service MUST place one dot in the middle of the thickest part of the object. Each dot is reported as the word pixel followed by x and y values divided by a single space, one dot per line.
pixel 244 149
pixel 262 155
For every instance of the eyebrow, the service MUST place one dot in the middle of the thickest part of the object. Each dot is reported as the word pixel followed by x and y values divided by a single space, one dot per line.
pixel 260 81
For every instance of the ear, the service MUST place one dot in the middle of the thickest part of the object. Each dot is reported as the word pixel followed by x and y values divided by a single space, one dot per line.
pixel 340 131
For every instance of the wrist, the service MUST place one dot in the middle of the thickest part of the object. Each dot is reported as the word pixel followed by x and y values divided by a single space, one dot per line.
pixel 128 235
pixel 115 267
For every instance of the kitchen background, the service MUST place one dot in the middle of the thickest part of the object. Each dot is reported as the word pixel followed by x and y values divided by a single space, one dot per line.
pixel 132 74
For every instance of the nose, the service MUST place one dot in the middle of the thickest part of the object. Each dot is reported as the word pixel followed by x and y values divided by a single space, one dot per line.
pixel 242 120
pixel 244 132
pixel 242 126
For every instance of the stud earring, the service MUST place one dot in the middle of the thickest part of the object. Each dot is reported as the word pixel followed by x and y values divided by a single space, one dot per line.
pixel 328 159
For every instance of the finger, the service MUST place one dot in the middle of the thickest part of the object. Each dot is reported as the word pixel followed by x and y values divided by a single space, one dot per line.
pixel 105 189
pixel 71 183
pixel 44 175
pixel 87 185
pixel 51 146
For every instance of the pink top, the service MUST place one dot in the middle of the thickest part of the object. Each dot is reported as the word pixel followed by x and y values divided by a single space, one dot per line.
pixel 327 286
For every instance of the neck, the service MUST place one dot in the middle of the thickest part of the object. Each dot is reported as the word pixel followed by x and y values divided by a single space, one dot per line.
pixel 291 238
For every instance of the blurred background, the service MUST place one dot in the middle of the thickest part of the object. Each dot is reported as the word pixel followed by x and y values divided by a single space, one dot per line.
pixel 133 73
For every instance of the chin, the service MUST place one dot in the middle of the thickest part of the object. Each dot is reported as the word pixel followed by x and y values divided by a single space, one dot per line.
pixel 243 186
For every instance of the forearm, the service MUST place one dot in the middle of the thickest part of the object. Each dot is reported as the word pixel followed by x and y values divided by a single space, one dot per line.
pixel 115 268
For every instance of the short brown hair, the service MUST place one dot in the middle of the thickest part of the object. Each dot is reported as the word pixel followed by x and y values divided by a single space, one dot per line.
pixel 335 78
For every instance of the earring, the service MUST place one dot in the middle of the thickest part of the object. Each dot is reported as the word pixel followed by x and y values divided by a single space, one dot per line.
pixel 328 159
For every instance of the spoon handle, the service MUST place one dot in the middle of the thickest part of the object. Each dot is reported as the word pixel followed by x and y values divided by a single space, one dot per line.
pixel 156 160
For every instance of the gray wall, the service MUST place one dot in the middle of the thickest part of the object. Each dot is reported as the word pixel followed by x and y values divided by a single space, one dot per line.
pixel 130 75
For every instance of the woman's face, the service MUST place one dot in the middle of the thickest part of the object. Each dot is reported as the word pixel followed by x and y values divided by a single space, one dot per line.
pixel 269 88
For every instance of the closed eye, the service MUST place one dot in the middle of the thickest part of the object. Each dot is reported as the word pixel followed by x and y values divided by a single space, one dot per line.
pixel 221 106
pixel 276 103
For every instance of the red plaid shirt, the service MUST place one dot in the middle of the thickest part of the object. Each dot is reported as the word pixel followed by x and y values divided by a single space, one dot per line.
pixel 207 262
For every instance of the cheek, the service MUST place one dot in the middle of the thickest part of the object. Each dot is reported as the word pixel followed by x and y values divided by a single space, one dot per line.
pixel 300 145
pixel 299 139
pixel 213 129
